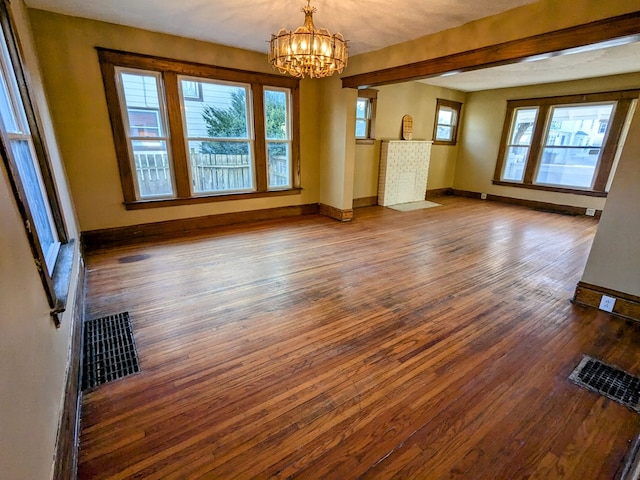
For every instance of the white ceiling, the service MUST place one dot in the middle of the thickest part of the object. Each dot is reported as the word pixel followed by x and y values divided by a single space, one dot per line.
pixel 367 24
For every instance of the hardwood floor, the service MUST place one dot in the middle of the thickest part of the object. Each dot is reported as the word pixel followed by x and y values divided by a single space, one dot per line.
pixel 433 344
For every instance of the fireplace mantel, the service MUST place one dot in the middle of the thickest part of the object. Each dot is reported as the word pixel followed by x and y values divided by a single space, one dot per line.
pixel 404 166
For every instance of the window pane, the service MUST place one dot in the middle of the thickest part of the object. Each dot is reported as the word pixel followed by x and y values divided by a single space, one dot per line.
pixel 279 171
pixel 6 110
pixel 514 165
pixel 141 93
pixel 578 125
pixel 573 145
pixel 361 108
pixel 152 168
pixel 35 197
pixel 445 116
pixel 568 166
pixel 222 112
pixel 220 166
pixel 522 128
pixel 444 133
pixel 144 123
pixel 361 128
pixel 275 110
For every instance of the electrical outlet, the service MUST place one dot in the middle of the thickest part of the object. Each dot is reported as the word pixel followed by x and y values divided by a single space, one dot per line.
pixel 483 196
pixel 607 303
pixel 591 212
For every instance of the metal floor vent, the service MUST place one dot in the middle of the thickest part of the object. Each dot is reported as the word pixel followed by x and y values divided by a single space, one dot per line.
pixel 109 350
pixel 609 381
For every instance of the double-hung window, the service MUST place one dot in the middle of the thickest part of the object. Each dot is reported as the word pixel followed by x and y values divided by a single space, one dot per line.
pixel 366 115
pixel 565 144
pixel 188 133
pixel 277 102
pixel 219 137
pixel 445 130
pixel 147 134
pixel 30 174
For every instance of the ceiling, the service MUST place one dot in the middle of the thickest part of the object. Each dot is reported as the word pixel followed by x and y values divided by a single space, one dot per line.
pixel 592 62
pixel 367 24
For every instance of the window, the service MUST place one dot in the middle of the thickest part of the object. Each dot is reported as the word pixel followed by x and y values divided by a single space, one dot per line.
pixel 30 174
pixel 445 129
pixel 192 90
pixel 147 134
pixel 188 133
pixel 219 137
pixel 276 104
pixel 562 143
pixel 366 115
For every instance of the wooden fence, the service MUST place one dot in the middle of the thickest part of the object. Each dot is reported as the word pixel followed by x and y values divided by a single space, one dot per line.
pixel 154 176
pixel 210 173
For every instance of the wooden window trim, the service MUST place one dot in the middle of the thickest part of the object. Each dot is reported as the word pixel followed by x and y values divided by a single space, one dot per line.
pixel 623 99
pixel 56 285
pixel 170 70
pixel 457 106
pixel 372 95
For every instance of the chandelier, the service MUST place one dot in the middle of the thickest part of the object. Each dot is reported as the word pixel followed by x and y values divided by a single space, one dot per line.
pixel 308 50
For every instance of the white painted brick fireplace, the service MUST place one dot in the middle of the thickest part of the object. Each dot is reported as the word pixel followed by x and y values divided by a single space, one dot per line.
pixel 404 166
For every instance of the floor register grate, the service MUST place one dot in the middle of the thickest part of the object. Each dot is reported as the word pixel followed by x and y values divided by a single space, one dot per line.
pixel 609 381
pixel 109 350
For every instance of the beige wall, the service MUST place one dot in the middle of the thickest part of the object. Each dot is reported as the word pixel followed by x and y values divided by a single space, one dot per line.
pixel 338 113
pixel 395 101
pixel 66 47
pixel 483 120
pixel 34 355
pixel 614 260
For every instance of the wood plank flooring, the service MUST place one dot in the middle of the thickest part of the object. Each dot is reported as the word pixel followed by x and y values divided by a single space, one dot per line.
pixel 433 344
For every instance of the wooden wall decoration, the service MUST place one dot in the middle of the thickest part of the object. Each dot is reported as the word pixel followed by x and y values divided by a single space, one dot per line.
pixel 407 127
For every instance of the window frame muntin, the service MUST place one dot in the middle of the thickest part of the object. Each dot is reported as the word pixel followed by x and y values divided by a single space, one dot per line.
pixel 623 99
pixel 170 69
pixel 457 108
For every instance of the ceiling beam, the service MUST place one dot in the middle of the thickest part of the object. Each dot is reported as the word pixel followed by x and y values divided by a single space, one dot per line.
pixel 515 51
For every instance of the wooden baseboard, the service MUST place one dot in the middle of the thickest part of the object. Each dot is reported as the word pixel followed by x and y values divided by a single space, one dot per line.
pixel 336 213
pixel 438 192
pixel 110 237
pixel 627 306
pixel 365 202
pixel 66 460
pixel 536 205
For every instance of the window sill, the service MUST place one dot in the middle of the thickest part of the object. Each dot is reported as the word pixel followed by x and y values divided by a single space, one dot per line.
pixel 547 188
pixel 365 141
pixel 170 202
pixel 442 142
pixel 62 280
